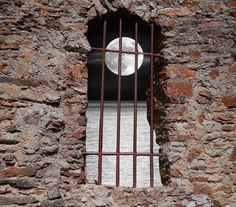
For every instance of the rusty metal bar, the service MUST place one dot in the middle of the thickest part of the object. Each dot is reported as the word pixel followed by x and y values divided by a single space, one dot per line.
pixel 119 107
pixel 151 108
pixel 100 152
pixel 124 153
pixel 102 106
pixel 135 108
pixel 126 52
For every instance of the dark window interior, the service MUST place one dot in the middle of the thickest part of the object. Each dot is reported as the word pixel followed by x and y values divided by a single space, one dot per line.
pixel 95 31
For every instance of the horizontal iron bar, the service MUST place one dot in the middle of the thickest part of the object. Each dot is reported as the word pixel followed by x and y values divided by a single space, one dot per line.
pixel 127 52
pixel 125 153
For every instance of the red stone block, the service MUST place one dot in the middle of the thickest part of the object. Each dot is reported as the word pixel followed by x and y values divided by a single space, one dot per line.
pixel 182 138
pixel 201 118
pixel 224 120
pixel 176 173
pixel 229 128
pixel 10 46
pixel 194 55
pixel 180 12
pixel 179 91
pixel 180 72
pixel 74 73
pixel 66 173
pixel 233 155
pixel 216 7
pixel 79 133
pixel 199 167
pixel 178 205
pixel 72 108
pixel 203 189
pixel 18 172
pixel 10 89
pixel 82 120
pixel 231 4
pixel 229 101
pixel 225 189
pixel 181 112
pixel 193 154
pixel 2 67
pixel 171 24
pixel 204 96
pixel 214 74
pixel 81 179
pixel 8 157
pixel 14 46
pixel 5 29
pixel 70 147
pixel 198 179
pixel 209 25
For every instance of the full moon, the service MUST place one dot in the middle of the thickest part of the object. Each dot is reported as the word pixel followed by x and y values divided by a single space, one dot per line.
pixel 127 60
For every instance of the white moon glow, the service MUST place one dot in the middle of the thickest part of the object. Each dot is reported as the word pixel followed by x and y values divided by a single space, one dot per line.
pixel 127 60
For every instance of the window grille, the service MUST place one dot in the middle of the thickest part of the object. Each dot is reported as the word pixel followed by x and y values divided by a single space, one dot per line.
pixel 100 153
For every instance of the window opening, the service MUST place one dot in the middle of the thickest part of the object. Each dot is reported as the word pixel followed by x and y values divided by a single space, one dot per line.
pixel 121 68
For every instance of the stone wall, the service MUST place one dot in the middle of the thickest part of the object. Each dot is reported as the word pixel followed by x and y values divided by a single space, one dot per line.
pixel 43 100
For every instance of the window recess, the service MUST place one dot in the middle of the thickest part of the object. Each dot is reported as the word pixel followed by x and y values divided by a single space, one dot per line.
pixel 121 73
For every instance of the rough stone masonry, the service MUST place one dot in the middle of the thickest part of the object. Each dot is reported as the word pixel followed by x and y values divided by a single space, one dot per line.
pixel 43 100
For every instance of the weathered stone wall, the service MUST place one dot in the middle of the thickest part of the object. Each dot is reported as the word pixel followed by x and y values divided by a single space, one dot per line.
pixel 43 99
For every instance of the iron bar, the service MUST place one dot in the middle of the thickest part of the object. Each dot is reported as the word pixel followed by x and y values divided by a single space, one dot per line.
pixel 119 107
pixel 126 52
pixel 134 153
pixel 135 108
pixel 151 108
pixel 124 153
pixel 102 106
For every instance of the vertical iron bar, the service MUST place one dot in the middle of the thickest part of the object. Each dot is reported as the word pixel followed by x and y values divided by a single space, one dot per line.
pixel 119 107
pixel 135 108
pixel 151 110
pixel 101 106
